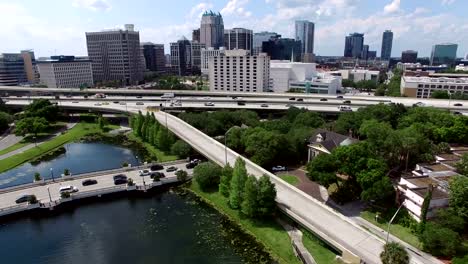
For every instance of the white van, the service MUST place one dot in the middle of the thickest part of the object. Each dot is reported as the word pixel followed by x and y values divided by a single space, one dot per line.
pixel 168 95
pixel 345 108
pixel 68 189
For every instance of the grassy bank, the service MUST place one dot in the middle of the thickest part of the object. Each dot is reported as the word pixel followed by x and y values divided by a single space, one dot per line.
pixel 14 147
pixel 267 232
pixel 404 233
pixel 78 131
pixel 161 155
pixel 319 250
pixel 291 179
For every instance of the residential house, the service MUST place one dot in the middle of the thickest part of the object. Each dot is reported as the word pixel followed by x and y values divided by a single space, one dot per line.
pixel 324 141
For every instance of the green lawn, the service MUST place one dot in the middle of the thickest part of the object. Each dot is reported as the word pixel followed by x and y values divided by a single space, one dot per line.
pixel 161 155
pixel 404 233
pixel 78 131
pixel 268 232
pixel 291 179
pixel 319 250
pixel 14 147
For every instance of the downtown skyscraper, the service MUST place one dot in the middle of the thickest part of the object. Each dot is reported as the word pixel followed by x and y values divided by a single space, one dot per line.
pixel 354 44
pixel 305 33
pixel 212 30
pixel 387 41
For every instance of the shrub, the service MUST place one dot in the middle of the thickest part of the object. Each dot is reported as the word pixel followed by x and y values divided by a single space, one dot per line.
pixel 440 241
pixel 130 182
pixel 37 176
pixel 33 199
pixel 181 175
pixel 65 195
pixel 66 172
pixel 124 164
pixel 207 175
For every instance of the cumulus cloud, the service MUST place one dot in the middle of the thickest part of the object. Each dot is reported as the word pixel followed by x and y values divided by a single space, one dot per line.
pixel 198 10
pixel 448 2
pixel 94 5
pixel 393 7
pixel 236 7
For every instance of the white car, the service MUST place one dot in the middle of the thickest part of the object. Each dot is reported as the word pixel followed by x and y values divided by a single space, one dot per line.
pixel 144 172
pixel 68 189
pixel 209 104
pixel 97 104
pixel 278 168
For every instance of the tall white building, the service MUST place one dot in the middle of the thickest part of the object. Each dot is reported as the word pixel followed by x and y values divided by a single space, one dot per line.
pixel 205 55
pixel 301 77
pixel 65 72
pixel 237 71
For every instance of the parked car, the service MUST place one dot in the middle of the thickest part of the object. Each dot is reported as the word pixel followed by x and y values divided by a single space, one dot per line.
pixel 156 167
pixel 24 198
pixel 300 100
pixel 116 102
pixel 278 168
pixel 191 165
pixel 139 103
pixel 68 189
pixel 120 179
pixel 209 104
pixel 75 102
pixel 346 102
pixel 323 99
pixel 458 104
pixel 139 96
pixel 171 169
pixel 157 174
pixel 264 105
pixel 89 182
pixel 144 172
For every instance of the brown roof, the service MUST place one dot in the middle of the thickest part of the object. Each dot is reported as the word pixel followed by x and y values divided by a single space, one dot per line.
pixel 436 167
pixel 436 193
pixel 422 182
pixel 331 139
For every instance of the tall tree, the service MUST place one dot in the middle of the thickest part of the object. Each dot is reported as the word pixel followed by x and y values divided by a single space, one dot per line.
pixel 394 253
pixel 239 176
pixel 458 196
pixel 181 149
pixel 266 196
pixel 425 207
pixel 225 181
pixel 249 200
pixel 31 125
pixel 207 175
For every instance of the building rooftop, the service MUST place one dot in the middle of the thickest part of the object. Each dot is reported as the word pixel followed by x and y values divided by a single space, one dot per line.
pixel 435 167
pixel 436 193
pixel 436 80
pixel 447 157
pixel 422 181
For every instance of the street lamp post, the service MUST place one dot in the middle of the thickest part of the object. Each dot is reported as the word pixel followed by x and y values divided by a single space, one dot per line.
pixel 138 163
pixel 225 143
pixel 52 174
pixel 390 222
pixel 50 197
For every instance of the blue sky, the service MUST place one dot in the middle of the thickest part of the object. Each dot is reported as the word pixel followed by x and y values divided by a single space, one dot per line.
pixel 58 26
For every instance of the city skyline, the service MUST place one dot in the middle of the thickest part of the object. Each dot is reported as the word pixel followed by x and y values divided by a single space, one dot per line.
pixel 417 25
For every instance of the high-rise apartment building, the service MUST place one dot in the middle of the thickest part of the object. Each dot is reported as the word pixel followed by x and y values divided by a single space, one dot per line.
pixel 260 37
pixel 365 52
pixel 66 72
pixel 196 35
pixel 12 69
pixel 305 33
pixel 206 54
pixel 237 71
pixel 444 53
pixel 238 38
pixel 212 30
pixel 186 57
pixel 409 56
pixel 154 57
pixel 115 55
pixel 353 45
pixel 283 49
pixel 387 42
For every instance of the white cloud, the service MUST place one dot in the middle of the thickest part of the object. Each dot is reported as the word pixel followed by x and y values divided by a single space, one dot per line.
pixel 94 5
pixel 198 10
pixel 393 7
pixel 447 2
pixel 236 7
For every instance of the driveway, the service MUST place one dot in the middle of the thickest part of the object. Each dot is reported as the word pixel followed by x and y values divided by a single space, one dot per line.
pixel 305 184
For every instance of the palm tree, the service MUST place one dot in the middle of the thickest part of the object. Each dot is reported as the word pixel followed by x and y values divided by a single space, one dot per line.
pixel 394 253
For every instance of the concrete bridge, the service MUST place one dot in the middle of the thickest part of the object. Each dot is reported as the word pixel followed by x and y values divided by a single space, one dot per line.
pixel 48 196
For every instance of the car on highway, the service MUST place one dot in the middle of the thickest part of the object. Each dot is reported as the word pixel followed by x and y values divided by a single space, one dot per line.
pixel 458 104
pixel 457 113
pixel 156 167
pixel 139 96
pixel 75 102
pixel 139 103
pixel 144 172
pixel 89 182
pixel 116 102
pixel 345 108
pixel 346 102
pixel 278 168
pixel 68 189
pixel 234 97
pixel 292 99
pixel 323 99
pixel 300 100
pixel 206 98
pixel 240 103
pixel 157 174
pixel 120 179
pixel 123 103
pixel 97 104
pixel 419 104
pixel 171 169
pixel 25 198
pixel 264 105
pixel 209 104
pixel 339 97
pixel 105 103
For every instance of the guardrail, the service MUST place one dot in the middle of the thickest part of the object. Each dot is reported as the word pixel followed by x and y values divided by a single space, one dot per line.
pixel 17 208
pixel 84 175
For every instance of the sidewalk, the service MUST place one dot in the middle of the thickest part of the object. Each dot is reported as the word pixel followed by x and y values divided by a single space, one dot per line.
pixel 32 145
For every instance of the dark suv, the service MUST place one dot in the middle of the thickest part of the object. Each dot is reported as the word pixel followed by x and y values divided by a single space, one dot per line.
pixel 120 179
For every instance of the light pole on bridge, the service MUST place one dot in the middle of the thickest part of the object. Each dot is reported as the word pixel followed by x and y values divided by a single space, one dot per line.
pixel 225 144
